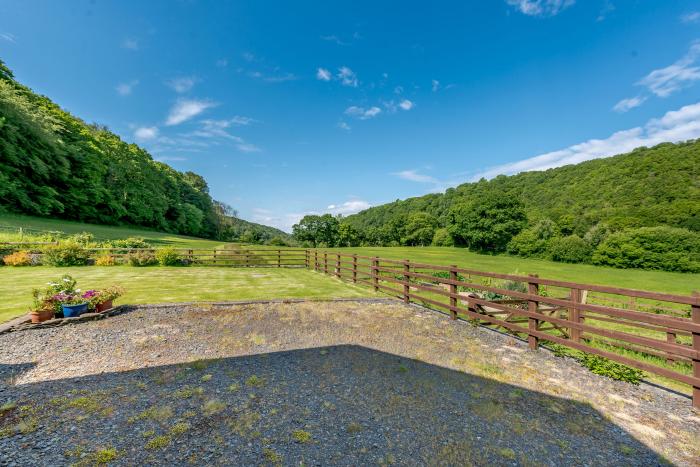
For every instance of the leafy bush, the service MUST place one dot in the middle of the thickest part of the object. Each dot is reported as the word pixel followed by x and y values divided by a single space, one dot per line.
pixel 105 260
pixel 66 254
pixel 18 258
pixel 446 275
pixel 168 257
pixel 277 241
pixel 571 249
pixel 665 248
pixel 82 238
pixel 142 258
pixel 129 243
pixel 534 241
pixel 600 365
pixel 442 237
pixel 597 234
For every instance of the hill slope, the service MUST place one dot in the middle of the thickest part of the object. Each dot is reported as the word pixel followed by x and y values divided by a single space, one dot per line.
pixel 52 164
pixel 647 187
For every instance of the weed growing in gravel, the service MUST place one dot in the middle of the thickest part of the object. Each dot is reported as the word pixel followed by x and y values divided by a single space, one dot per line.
pixel 213 406
pixel 301 436
pixel 184 392
pixel 255 381
pixel 159 442
pixel 234 387
pixel 189 414
pixel 271 456
pixel 149 433
pixel 105 456
pixel 179 428
pixel 7 406
pixel 206 378
pixel 86 404
pixel 200 365
pixel 353 428
pixel 243 424
pixel 154 413
pixel 626 450
pixel 508 453
pixel 28 425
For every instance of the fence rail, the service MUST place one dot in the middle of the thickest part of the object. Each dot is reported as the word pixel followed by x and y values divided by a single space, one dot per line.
pixel 665 326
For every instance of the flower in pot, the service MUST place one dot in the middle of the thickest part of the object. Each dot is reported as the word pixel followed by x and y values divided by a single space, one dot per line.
pixel 72 305
pixel 43 309
pixel 102 300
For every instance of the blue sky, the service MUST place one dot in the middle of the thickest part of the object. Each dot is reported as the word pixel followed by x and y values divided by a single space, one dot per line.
pixel 288 108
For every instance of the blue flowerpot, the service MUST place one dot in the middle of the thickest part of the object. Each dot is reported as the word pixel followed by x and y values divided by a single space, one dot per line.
pixel 72 311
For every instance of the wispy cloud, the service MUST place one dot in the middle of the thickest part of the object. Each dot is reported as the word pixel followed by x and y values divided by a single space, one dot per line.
pixel 170 159
pixel 124 89
pixel 323 74
pixel 607 8
pixel 287 220
pixel 406 104
pixel 347 77
pixel 435 85
pixel 678 125
pixel 335 39
pixel 630 103
pixel 130 43
pixel 9 37
pixel 185 109
pixel 363 113
pixel 220 129
pixel 691 17
pixel 665 81
pixel 182 84
pixel 146 133
pixel 348 207
pixel 273 77
pixel 414 176
pixel 344 126
pixel 222 63
pixel 541 7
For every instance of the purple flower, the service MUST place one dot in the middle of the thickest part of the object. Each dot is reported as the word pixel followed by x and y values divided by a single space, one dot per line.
pixel 90 293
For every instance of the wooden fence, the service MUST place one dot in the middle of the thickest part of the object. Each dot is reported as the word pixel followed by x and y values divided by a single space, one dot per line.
pixel 538 309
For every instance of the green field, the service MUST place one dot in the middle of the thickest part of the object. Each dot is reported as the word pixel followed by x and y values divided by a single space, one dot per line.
pixel 10 224
pixel 659 281
pixel 173 284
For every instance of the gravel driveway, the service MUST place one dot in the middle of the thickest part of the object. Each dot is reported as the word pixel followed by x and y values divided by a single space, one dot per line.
pixel 318 383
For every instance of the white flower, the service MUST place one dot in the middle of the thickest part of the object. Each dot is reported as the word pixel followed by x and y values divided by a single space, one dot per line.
pixel 66 280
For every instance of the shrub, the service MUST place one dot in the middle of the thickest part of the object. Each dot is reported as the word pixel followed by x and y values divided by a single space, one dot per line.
pixel 571 249
pixel 105 260
pixel 442 237
pixel 597 234
pixel 66 254
pixel 665 248
pixel 82 238
pixel 168 257
pixel 600 365
pixel 142 258
pixel 128 243
pixel 534 241
pixel 277 241
pixel 18 258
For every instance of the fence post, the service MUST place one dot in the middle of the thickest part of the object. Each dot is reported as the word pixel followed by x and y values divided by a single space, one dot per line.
pixel 375 273
pixel 190 256
pixel 337 265
pixel 354 268
pixel 695 316
pixel 306 258
pixel 453 291
pixel 575 314
pixel 325 262
pixel 279 259
pixel 407 280
pixel 214 258
pixel 532 323
pixel 316 260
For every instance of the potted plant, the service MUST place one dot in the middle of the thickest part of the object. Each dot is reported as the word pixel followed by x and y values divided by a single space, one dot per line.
pixel 72 306
pixel 43 309
pixel 101 300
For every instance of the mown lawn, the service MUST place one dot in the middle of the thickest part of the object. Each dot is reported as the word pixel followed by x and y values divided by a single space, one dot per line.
pixel 173 284
pixel 10 223
pixel 659 281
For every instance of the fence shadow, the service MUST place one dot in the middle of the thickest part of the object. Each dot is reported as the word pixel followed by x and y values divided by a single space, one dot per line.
pixel 343 404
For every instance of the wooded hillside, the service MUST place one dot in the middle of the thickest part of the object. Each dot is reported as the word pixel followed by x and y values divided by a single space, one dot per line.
pixel 53 164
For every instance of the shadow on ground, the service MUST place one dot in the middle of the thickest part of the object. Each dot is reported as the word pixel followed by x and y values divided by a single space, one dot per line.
pixel 333 405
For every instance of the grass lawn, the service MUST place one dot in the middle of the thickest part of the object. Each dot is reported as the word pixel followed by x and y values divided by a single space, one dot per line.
pixel 659 281
pixel 10 223
pixel 173 284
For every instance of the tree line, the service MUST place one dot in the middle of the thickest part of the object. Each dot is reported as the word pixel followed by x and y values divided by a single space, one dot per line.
pixel 53 164
pixel 637 210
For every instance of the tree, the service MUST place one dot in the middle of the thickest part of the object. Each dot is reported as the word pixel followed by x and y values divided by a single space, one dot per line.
pixel 348 235
pixel 419 229
pixel 317 230
pixel 487 224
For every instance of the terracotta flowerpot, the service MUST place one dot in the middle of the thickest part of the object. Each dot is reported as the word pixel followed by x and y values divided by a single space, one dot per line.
pixel 41 315
pixel 104 306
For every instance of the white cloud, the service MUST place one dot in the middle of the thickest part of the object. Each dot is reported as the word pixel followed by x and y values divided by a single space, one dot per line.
pixel 347 77
pixel 218 129
pixel 9 37
pixel 665 81
pixel 130 43
pixel 349 207
pixel 541 7
pixel 630 103
pixel 406 104
pixel 182 84
pixel 247 147
pixel 691 17
pixel 414 176
pixel 363 113
pixel 240 120
pixel 435 85
pixel 334 38
pixel 678 125
pixel 146 133
pixel 185 109
pixel 124 89
pixel 323 74
pixel 344 126
pixel 170 159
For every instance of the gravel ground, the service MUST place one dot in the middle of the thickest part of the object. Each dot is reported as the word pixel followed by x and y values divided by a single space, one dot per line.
pixel 318 383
